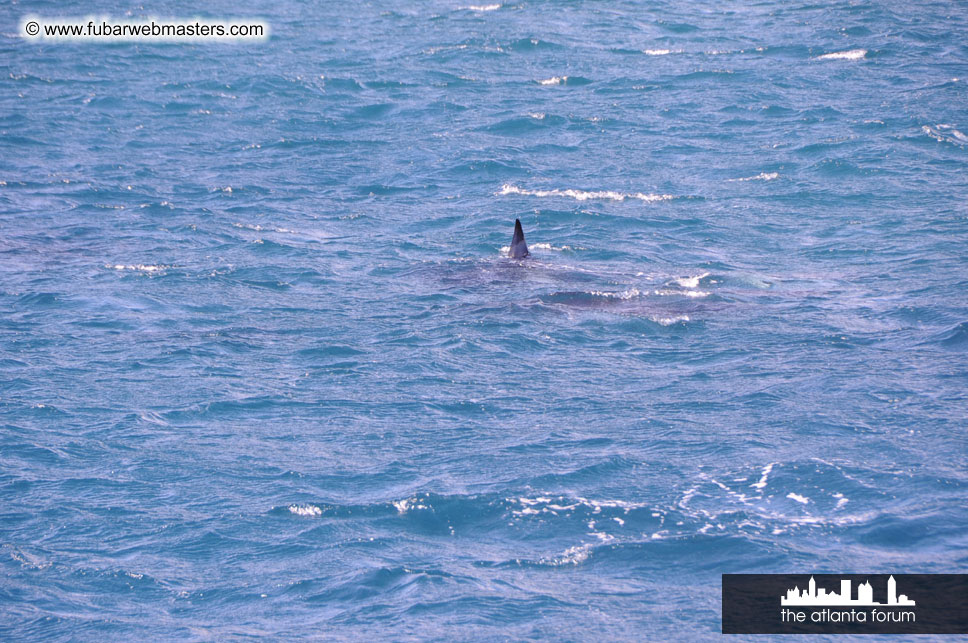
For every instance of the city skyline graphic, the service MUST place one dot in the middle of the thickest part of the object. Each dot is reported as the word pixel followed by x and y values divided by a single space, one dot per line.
pixel 812 595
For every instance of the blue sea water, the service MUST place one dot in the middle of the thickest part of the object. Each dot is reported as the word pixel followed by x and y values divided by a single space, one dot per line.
pixel 264 371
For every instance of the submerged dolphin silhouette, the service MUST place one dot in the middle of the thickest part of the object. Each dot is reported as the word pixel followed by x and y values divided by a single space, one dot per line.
pixel 519 249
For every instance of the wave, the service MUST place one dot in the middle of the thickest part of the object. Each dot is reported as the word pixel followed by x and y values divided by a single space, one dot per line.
pixel 747 502
pixel 670 320
pixel 691 282
pixel 565 80
pixel 944 133
pixel 529 123
pixel 956 337
pixel 305 510
pixel 545 246
pixel 850 54
pixel 628 303
pixel 140 267
pixel 664 292
pixel 762 176
pixel 583 195
pixel 482 7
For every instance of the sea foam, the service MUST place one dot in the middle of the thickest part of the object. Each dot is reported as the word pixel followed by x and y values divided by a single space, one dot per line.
pixel 850 54
pixel 585 195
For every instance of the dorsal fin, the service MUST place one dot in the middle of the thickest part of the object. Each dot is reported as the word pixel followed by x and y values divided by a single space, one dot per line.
pixel 519 249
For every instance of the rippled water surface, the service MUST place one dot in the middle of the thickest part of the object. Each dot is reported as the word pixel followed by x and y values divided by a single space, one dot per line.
pixel 264 370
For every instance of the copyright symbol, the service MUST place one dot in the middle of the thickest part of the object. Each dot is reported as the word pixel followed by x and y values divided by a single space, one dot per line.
pixel 32 28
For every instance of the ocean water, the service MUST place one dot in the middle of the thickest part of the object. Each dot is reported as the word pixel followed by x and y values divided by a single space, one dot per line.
pixel 265 372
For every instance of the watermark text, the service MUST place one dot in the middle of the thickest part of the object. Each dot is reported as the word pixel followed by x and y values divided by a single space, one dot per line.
pixel 107 29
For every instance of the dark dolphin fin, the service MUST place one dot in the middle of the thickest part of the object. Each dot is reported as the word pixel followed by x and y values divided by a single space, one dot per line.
pixel 519 249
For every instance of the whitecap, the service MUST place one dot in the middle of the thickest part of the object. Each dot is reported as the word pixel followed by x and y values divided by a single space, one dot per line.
pixel 544 246
pixel 766 474
pixel 554 80
pixel 625 294
pixel 545 505
pixel 691 282
pixel 850 54
pixel 141 267
pixel 665 292
pixel 482 7
pixel 306 510
pixel 762 176
pixel 548 246
pixel 405 505
pixel 669 321
pixel 944 133
pixel 686 497
pixel 801 499
pixel 583 195
pixel 571 556
pixel 434 50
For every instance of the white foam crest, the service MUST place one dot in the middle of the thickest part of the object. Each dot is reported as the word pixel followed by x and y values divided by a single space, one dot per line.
pixel 139 267
pixel 538 116
pixel 258 228
pixel 548 246
pixel 482 7
pixel 434 50
pixel 762 176
pixel 840 521
pixel 665 292
pixel 691 282
pixel 313 235
pixel 405 505
pixel 546 504
pixel 554 80
pixel 597 505
pixel 583 195
pixel 669 321
pixel 766 474
pixel 944 133
pixel 757 510
pixel 571 556
pixel 625 294
pixel 306 510
pixel 660 52
pixel 26 559
pixel 850 54
pixel 686 497
pixel 153 418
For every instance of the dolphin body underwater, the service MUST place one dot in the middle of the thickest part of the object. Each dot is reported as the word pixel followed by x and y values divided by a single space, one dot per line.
pixel 518 249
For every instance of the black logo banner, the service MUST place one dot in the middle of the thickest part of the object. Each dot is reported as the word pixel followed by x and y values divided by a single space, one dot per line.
pixel 845 604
